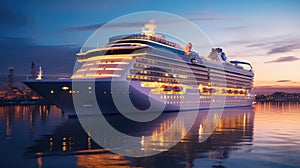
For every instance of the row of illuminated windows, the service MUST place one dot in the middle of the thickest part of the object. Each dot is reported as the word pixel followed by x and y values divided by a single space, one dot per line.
pixel 179 63
pixel 178 66
pixel 95 75
pixel 234 86
pixel 158 74
pixel 237 101
pixel 201 77
pixel 182 97
pixel 153 38
pixel 99 74
pixel 157 79
pixel 227 77
pixel 104 92
pixel 99 69
pixel 237 86
pixel 182 102
pixel 103 61
pixel 239 72
pixel 112 62
pixel 171 97
pixel 182 81
pixel 140 77
pixel 69 91
pixel 227 83
pixel 86 65
pixel 155 71
pixel 232 71
pixel 231 74
pixel 150 78
pixel 198 74
pixel 110 51
pixel 198 68
pixel 230 82
pixel 161 68
pixel 166 63
pixel 203 101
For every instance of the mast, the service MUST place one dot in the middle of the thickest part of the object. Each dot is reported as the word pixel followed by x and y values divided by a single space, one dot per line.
pixel 32 71
pixel 149 28
pixel 40 74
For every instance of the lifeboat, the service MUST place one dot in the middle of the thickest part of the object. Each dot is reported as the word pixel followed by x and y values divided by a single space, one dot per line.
pixel 177 88
pixel 166 88
pixel 229 91
pixel 236 92
pixel 204 89
pixel 241 92
pixel 212 90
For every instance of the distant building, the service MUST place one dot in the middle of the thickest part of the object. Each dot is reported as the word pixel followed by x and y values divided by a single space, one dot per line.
pixel 9 91
pixel 10 94
pixel 278 97
pixel 10 79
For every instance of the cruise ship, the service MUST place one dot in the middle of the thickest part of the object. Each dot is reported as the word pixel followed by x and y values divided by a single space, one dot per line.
pixel 148 72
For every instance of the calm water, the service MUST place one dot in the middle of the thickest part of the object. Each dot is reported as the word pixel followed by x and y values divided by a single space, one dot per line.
pixel 266 135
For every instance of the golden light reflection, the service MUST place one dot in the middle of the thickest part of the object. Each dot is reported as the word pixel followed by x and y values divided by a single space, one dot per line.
pixel 39 160
pixel 142 143
pixel 64 146
pixel 102 160
pixel 50 144
pixel 285 119
pixel 8 127
pixel 89 143
pixel 244 120
pixel 88 154
pixel 200 131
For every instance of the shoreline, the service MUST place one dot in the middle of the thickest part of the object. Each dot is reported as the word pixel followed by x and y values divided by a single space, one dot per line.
pixel 13 102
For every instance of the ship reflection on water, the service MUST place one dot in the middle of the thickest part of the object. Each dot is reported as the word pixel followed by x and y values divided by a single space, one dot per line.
pixel 233 132
pixel 11 116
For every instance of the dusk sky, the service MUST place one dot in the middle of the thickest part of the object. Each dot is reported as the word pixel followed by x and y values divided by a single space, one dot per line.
pixel 264 33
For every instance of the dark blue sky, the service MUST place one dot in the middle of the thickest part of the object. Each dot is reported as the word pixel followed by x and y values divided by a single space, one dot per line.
pixel 51 32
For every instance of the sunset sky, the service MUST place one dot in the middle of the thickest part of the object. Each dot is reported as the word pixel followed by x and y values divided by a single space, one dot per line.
pixel 264 33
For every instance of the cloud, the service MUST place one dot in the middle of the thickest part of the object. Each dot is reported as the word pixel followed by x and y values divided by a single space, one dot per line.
pixel 94 27
pixel 206 18
pixel 261 44
pixel 272 89
pixel 85 28
pixel 275 45
pixel 284 48
pixel 244 42
pixel 284 59
pixel 283 81
pixel 11 18
pixel 13 42
pixel 234 28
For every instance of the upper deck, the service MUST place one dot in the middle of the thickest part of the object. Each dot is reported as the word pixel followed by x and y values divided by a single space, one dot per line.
pixel 122 50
